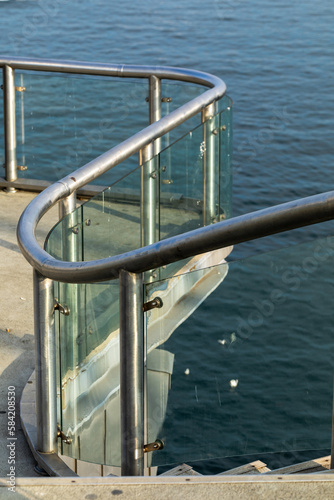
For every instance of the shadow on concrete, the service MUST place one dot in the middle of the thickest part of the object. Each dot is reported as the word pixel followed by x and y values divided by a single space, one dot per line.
pixel 9 245
pixel 15 373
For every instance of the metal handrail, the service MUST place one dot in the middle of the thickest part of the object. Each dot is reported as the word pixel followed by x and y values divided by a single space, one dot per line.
pixel 303 212
pixel 116 70
pixel 114 156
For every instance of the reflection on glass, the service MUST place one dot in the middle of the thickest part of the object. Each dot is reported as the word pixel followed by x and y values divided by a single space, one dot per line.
pixel 148 204
pixel 252 337
pixel 89 372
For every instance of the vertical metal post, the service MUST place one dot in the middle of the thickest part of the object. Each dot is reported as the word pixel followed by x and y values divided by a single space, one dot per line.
pixel 150 174
pixel 23 138
pixel 71 235
pixel 45 349
pixel 148 209
pixel 9 124
pixel 210 179
pixel 132 373
pixel 154 99
pixel 67 206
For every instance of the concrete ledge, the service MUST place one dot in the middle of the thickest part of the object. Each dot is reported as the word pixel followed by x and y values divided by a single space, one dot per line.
pixel 305 486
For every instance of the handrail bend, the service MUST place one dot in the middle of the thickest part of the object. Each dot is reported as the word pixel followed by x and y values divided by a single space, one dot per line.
pixel 283 217
pixel 116 155
pixel 291 215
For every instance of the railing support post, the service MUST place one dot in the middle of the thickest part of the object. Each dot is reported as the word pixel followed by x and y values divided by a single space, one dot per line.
pixel 9 124
pixel 210 178
pixel 154 100
pixel 148 196
pixel 45 349
pixel 132 373
pixel 67 206
pixel 150 174
pixel 72 252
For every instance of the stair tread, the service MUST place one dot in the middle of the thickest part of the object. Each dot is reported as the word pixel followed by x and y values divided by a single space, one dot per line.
pixel 181 470
pixel 256 467
pixel 317 465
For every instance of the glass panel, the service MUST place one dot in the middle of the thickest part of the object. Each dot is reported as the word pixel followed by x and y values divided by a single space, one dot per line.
pixel 226 145
pixel 89 372
pixel 196 180
pixel 138 209
pixel 111 220
pixel 88 353
pixel 64 121
pixel 250 337
pixel 110 223
pixel 174 95
pixel 181 185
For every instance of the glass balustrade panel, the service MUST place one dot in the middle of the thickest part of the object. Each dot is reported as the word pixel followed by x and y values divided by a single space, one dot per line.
pixel 240 359
pixel 112 219
pixel 65 121
pixel 89 372
pixel 174 95
pixel 162 198
pixel 226 148
pixel 117 220
pixel 195 176
pixel 88 354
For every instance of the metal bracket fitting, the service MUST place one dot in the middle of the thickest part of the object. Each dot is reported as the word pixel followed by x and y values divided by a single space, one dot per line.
pixel 19 89
pixel 157 445
pixel 152 304
pixel 62 309
pixel 22 167
pixel 163 99
pixel 63 436
pixel 75 229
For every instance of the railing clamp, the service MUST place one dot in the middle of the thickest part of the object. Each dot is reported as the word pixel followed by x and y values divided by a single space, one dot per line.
pixel 75 229
pixel 63 436
pixel 19 89
pixel 152 304
pixel 163 99
pixel 62 309
pixel 19 167
pixel 157 445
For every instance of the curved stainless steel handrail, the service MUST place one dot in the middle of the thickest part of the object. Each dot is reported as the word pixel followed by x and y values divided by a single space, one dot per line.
pixel 255 225
pixel 303 212
pixel 116 70
pixel 95 168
